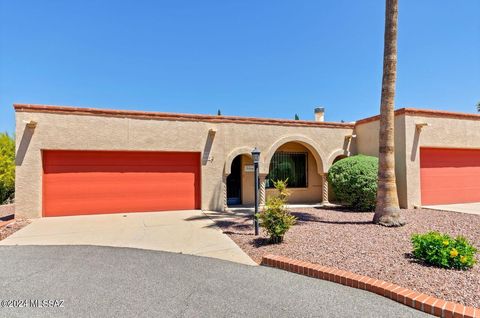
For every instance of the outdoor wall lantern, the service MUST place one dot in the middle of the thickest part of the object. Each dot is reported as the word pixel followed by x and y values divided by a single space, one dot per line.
pixel 256 160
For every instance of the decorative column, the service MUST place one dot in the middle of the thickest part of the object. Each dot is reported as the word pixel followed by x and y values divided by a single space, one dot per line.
pixel 224 192
pixel 262 178
pixel 325 189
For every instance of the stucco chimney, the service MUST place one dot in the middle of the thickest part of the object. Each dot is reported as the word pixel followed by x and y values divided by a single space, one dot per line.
pixel 319 114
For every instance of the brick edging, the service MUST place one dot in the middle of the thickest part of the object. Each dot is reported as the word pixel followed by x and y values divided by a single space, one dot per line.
pixel 422 302
pixel 5 223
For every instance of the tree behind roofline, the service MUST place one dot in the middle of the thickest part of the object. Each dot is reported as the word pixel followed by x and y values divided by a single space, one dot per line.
pixel 478 107
pixel 219 113
pixel 387 211
pixel 296 117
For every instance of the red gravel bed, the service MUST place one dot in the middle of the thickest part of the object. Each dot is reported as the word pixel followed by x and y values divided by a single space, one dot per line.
pixel 12 227
pixel 349 241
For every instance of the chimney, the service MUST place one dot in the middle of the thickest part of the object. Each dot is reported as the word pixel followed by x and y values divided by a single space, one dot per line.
pixel 319 114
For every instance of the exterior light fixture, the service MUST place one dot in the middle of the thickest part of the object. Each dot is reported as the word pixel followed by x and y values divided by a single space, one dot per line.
pixel 256 160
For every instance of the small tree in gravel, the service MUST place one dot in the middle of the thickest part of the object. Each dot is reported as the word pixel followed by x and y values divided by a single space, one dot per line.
pixel 275 218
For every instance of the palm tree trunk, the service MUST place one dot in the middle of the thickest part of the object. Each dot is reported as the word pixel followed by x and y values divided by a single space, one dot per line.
pixel 387 210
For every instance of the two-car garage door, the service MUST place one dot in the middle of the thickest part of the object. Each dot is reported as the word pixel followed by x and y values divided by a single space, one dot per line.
pixel 449 176
pixel 95 182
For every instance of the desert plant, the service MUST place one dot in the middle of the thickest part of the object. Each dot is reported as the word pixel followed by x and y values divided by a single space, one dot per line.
pixel 7 168
pixel 275 219
pixel 354 181
pixel 444 251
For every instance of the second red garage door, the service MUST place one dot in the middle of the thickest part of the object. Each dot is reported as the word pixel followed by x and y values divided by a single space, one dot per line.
pixel 449 175
pixel 96 182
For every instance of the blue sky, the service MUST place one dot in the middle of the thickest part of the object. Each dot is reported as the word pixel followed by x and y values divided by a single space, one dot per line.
pixel 249 58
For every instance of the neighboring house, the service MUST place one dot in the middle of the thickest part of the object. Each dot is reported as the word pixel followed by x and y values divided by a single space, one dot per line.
pixel 87 161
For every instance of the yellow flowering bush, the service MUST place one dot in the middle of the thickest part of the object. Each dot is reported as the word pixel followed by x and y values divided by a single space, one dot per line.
pixel 441 250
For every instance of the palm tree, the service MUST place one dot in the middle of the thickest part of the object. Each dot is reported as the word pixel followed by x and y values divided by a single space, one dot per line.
pixel 387 211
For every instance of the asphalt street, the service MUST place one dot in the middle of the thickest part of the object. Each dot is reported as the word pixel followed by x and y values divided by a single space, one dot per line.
pixel 91 281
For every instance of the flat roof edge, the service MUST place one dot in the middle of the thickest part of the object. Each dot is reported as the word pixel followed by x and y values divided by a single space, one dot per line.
pixel 423 112
pixel 173 116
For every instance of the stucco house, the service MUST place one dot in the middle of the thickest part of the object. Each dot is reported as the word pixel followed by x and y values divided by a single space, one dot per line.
pixel 74 161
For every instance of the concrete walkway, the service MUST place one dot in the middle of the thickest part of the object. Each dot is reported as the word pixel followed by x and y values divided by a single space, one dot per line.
pixel 470 208
pixel 95 281
pixel 188 232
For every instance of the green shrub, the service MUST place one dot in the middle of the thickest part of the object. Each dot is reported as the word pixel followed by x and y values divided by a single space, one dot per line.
pixel 354 181
pixel 7 168
pixel 275 218
pixel 443 251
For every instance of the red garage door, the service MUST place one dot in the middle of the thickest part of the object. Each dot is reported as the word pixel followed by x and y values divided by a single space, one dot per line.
pixel 95 182
pixel 449 175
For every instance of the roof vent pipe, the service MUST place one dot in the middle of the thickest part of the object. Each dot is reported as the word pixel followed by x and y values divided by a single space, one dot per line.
pixel 319 114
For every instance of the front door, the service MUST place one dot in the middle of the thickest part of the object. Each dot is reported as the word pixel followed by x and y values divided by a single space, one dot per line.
pixel 234 183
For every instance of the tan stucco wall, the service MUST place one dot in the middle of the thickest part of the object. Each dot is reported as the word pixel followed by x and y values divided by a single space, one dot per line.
pixel 95 132
pixel 248 195
pixel 443 133
pixel 367 144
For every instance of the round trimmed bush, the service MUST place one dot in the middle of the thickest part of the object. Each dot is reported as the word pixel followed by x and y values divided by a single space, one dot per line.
pixel 354 181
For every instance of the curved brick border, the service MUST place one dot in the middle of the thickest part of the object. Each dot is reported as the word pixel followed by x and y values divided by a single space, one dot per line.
pixel 423 302
pixel 5 223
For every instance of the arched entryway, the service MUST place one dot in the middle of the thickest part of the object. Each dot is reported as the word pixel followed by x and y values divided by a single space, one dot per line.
pixel 299 161
pixel 238 178
pixel 331 193
pixel 234 182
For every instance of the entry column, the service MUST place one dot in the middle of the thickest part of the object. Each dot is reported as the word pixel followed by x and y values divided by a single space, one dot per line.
pixel 262 184
pixel 224 192
pixel 325 188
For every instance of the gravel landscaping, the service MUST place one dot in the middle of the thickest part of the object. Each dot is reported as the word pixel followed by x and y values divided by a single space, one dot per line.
pixel 348 240
pixel 10 228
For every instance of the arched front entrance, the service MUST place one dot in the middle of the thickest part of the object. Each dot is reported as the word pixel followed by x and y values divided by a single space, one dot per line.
pixel 331 193
pixel 239 179
pixel 234 182
pixel 301 165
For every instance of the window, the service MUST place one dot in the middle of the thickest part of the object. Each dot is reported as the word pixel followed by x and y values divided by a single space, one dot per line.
pixel 291 165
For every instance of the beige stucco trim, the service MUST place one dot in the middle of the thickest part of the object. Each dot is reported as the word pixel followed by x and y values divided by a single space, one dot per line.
pixel 301 139
pixel 233 154
pixel 334 155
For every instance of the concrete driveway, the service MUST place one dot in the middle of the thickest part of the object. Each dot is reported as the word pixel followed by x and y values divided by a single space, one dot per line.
pixel 97 281
pixel 188 232
pixel 470 208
